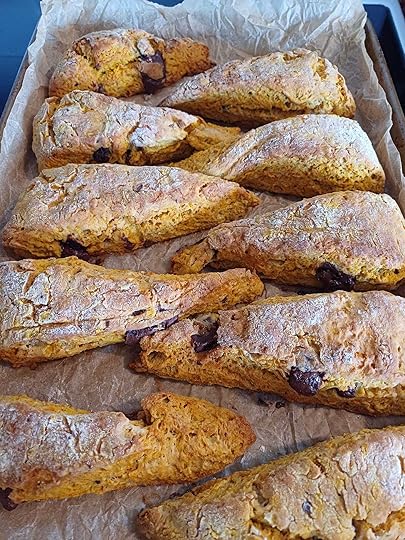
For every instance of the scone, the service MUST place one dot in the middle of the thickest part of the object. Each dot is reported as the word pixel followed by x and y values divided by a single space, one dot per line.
pixel 306 155
pixel 53 308
pixel 345 240
pixel 347 488
pixel 258 90
pixel 124 62
pixel 98 209
pixel 86 127
pixel 52 451
pixel 342 349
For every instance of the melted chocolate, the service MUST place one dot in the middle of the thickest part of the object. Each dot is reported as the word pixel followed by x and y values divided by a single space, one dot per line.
pixel 102 155
pixel 138 312
pixel 153 72
pixel 334 279
pixel 207 338
pixel 71 247
pixel 132 337
pixel 5 500
pixel 306 383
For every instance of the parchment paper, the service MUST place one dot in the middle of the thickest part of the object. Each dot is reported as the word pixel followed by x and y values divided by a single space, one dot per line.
pixel 99 379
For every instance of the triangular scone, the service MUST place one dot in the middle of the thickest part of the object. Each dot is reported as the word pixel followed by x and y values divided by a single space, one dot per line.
pixel 52 451
pixel 86 127
pixel 124 62
pixel 341 349
pixel 344 240
pixel 53 308
pixel 306 155
pixel 96 209
pixel 258 90
pixel 347 488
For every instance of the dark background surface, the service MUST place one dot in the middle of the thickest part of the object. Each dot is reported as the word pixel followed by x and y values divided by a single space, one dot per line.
pixel 19 17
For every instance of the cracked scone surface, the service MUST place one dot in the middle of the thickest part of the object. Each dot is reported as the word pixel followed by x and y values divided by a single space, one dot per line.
pixel 87 127
pixel 124 62
pixel 305 155
pixel 117 208
pixel 259 90
pixel 341 349
pixel 53 308
pixel 52 451
pixel 348 239
pixel 350 487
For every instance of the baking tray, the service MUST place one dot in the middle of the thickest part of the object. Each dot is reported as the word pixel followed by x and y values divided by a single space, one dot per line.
pixel 373 48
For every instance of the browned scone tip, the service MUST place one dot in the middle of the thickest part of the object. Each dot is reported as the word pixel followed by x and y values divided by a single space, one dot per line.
pixel 258 90
pixel 98 209
pixel 123 62
pixel 304 155
pixel 52 451
pixel 341 349
pixel 347 488
pixel 55 308
pixel 88 127
pixel 344 240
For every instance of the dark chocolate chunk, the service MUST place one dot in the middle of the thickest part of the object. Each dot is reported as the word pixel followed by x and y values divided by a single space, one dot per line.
pixel 307 507
pixel 280 404
pixel 334 279
pixel 306 383
pixel 138 312
pixel 5 500
pixel 207 338
pixel 153 72
pixel 349 393
pixel 102 155
pixel 138 188
pixel 132 337
pixel 71 247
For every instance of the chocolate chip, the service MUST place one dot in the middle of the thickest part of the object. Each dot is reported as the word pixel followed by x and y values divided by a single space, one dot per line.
pixel 71 247
pixel 153 72
pixel 280 404
pixel 5 500
pixel 138 312
pixel 132 337
pixel 349 393
pixel 306 383
pixel 307 507
pixel 334 279
pixel 207 338
pixel 102 155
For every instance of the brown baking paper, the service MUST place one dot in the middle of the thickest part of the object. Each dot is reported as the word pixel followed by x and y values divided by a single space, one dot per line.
pixel 99 379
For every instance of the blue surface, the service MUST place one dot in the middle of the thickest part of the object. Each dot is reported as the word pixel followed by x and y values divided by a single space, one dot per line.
pixel 19 18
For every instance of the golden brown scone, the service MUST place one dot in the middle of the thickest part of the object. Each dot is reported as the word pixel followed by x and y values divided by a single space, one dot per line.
pixel 117 208
pixel 259 90
pixel 342 349
pixel 53 308
pixel 306 155
pixel 52 451
pixel 125 62
pixel 345 240
pixel 350 487
pixel 86 127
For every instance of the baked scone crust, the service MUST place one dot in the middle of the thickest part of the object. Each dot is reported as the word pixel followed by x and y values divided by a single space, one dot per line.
pixel 52 451
pixel 343 240
pixel 124 62
pixel 305 155
pixel 346 488
pixel 341 349
pixel 87 127
pixel 118 208
pixel 54 308
pixel 259 90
